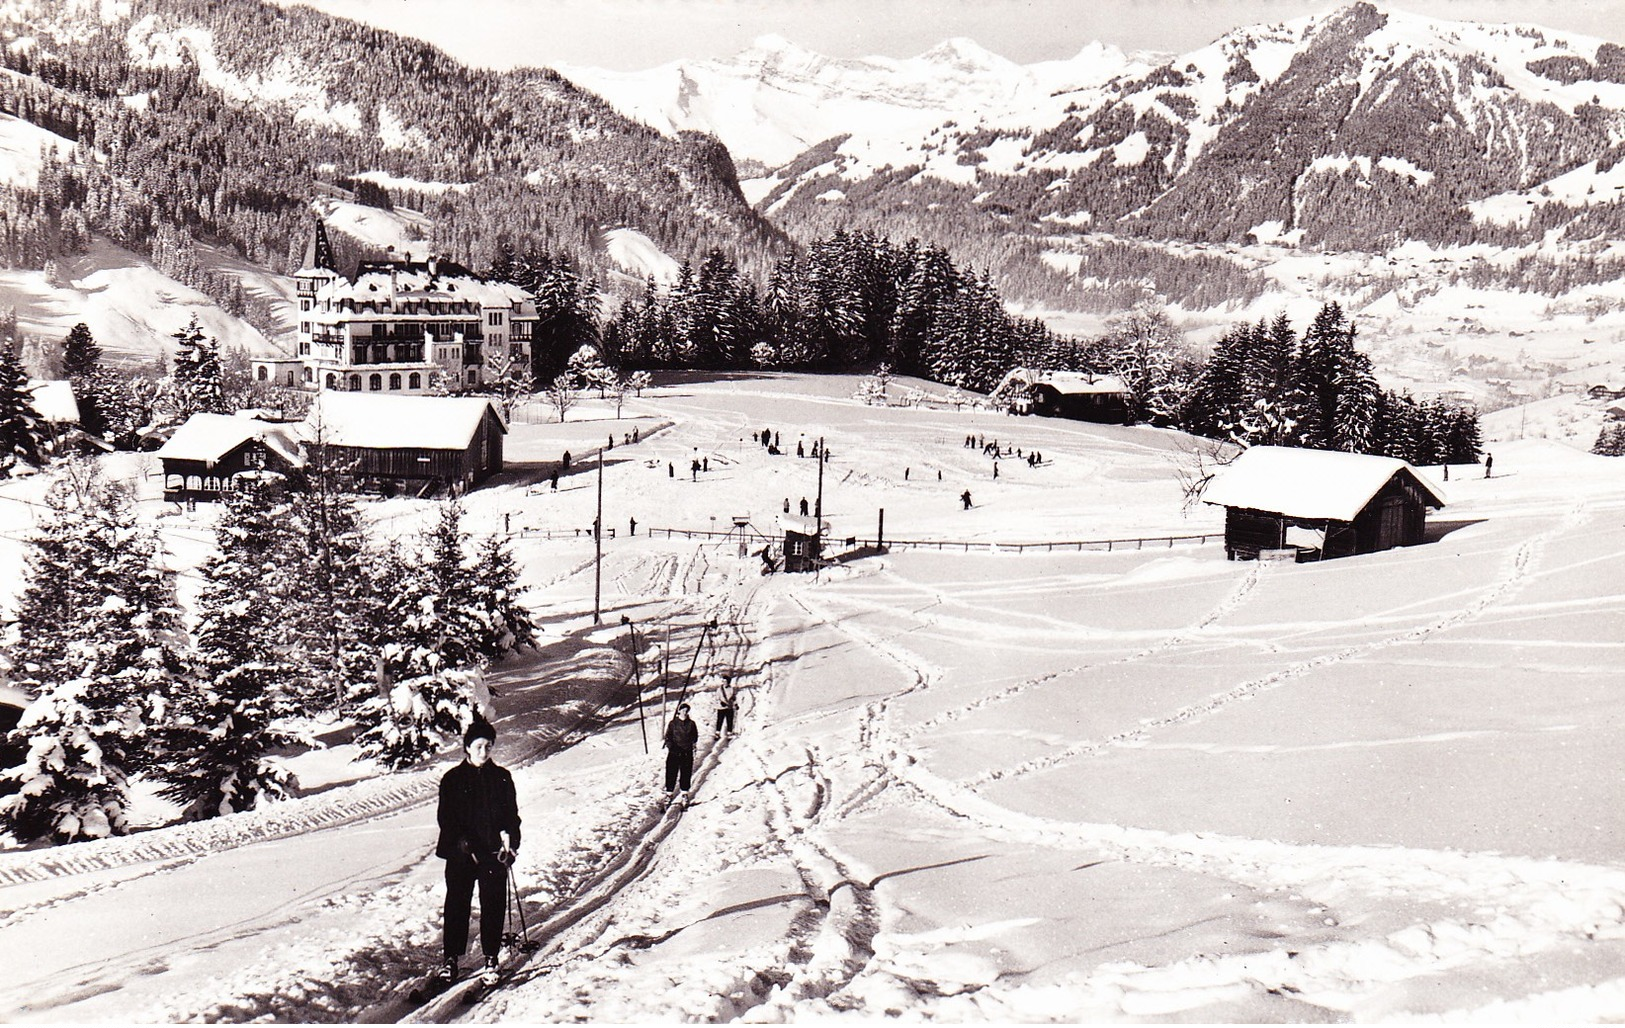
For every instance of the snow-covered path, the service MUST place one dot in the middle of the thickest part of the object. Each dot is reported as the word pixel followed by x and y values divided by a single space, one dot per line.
pixel 1145 785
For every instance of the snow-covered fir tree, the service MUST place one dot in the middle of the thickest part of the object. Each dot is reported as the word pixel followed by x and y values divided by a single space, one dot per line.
pixel 504 622
pixel 221 737
pixel 99 644
pixel 331 606
pixel 21 429
pixel 428 657
pixel 82 364
pixel 195 384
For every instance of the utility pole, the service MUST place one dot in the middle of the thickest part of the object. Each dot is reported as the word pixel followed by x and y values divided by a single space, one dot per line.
pixel 818 510
pixel 637 680
pixel 598 548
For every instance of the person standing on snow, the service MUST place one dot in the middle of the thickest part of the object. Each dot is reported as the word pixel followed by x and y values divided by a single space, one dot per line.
pixel 681 736
pixel 479 834
pixel 726 692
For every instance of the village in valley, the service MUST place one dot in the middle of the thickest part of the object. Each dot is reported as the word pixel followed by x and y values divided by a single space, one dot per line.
pixel 851 639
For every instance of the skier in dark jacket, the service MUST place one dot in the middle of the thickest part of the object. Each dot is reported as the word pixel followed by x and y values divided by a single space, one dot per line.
pixel 479 833
pixel 681 736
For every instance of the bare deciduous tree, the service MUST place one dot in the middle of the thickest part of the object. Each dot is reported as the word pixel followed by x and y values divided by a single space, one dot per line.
pixel 562 394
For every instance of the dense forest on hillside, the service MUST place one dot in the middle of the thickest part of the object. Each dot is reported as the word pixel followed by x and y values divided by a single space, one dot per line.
pixel 158 144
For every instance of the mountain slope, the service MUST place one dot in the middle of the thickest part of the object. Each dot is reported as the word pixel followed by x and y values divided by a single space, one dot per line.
pixel 1361 128
pixel 223 118
pixel 775 100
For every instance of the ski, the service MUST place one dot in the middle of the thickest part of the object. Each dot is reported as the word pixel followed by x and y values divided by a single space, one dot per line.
pixel 430 987
pixel 481 989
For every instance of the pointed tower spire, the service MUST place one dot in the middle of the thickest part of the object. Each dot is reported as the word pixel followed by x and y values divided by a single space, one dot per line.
pixel 319 252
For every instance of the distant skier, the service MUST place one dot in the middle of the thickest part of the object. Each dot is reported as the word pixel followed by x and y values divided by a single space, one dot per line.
pixel 964 498
pixel 725 704
pixel 803 506
pixel 1489 462
pixel 681 736
pixel 479 834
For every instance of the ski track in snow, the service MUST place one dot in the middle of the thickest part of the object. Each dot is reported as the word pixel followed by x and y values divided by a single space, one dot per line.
pixel 1517 574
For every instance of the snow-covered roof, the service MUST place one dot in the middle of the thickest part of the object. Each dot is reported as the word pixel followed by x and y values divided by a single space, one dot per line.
pixel 1309 483
pixel 208 437
pixel 1077 383
pixel 388 422
pixel 1072 383
pixel 55 402
pixel 414 280
pixel 801 525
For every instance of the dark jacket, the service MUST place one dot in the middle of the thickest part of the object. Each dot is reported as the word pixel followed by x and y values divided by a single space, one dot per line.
pixel 475 804
pixel 682 735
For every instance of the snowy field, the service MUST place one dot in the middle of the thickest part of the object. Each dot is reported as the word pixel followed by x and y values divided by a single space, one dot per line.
pixel 969 782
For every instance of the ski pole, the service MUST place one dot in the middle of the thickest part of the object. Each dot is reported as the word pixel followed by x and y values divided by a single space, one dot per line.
pixel 529 945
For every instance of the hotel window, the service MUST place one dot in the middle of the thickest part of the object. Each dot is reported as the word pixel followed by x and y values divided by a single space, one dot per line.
pixel 375 383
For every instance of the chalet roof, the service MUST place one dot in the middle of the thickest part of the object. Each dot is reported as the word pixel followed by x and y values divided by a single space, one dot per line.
pixel 378 422
pixel 801 525
pixel 54 401
pixel 414 280
pixel 1310 483
pixel 1074 383
pixel 209 437
pixel 1077 383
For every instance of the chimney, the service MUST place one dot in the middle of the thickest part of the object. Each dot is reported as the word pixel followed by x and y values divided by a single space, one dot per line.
pixel 434 265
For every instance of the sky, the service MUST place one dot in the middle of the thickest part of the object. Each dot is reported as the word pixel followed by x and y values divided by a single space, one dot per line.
pixel 631 35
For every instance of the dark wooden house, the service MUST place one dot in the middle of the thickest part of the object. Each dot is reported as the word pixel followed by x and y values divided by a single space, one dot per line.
pixel 211 452
pixel 803 547
pixel 1320 503
pixel 1064 394
pixel 421 444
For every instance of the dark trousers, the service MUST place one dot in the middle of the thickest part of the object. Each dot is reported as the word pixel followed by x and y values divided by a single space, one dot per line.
pixel 725 715
pixel 461 874
pixel 679 765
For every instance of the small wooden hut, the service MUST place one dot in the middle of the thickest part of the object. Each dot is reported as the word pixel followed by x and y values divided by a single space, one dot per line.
pixel 802 542
pixel 1321 503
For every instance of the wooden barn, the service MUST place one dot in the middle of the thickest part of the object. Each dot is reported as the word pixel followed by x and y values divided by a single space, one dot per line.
pixel 423 444
pixel 1065 394
pixel 1321 503
pixel 802 542
pixel 205 456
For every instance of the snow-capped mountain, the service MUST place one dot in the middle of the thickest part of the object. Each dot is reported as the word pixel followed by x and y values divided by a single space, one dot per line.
pixel 775 100
pixel 1361 127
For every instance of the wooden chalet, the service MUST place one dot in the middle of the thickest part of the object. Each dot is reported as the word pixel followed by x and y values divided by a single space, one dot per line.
pixel 58 409
pixel 211 452
pixel 1321 503
pixel 1065 394
pixel 422 444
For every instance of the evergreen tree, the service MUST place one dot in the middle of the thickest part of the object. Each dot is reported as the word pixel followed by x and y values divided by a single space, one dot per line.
pixel 82 363
pixel 1220 396
pixel 81 357
pixel 429 659
pixel 1323 357
pixel 21 429
pixel 503 623
pixel 222 735
pixel 332 607
pixel 195 384
pixel 99 644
